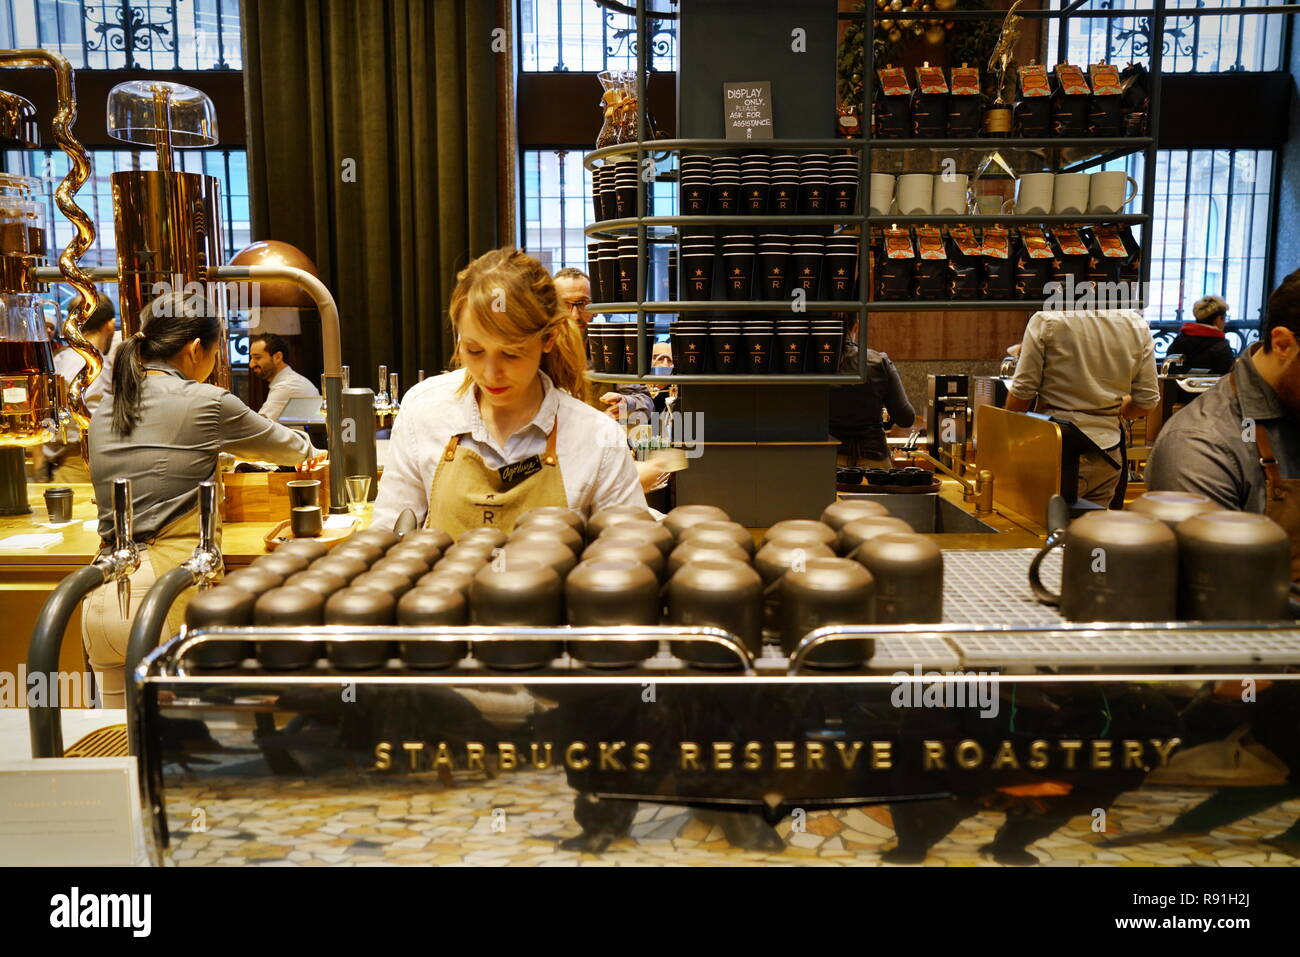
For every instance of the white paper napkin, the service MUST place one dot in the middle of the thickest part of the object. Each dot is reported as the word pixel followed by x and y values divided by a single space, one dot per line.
pixel 31 541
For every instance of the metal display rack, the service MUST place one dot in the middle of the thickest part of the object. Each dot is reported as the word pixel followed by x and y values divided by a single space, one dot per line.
pixel 1059 154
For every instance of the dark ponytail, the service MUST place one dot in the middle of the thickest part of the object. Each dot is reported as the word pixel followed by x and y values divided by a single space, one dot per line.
pixel 167 325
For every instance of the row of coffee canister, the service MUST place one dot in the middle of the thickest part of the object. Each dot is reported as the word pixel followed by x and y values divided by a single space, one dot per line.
pixel 1172 556
pixel 696 568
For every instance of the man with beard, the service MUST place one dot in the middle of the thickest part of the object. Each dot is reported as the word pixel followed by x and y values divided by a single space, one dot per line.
pixel 1239 443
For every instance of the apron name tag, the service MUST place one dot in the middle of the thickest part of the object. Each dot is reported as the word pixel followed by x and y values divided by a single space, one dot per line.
pixel 512 475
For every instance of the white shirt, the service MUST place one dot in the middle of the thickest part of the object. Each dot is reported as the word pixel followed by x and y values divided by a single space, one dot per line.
pixel 68 363
pixel 1082 362
pixel 592 448
pixel 286 385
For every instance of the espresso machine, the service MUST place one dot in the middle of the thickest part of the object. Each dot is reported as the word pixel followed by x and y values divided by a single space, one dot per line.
pixel 990 390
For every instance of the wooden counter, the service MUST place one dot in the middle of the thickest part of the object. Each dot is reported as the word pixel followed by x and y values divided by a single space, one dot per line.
pixel 27 576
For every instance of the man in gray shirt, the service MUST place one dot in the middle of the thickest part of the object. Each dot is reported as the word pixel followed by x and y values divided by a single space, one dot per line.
pixel 1224 443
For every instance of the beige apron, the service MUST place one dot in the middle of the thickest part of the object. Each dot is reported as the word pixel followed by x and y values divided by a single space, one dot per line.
pixel 1282 499
pixel 465 493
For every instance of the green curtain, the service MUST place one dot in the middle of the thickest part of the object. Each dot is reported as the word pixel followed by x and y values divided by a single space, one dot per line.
pixel 372 146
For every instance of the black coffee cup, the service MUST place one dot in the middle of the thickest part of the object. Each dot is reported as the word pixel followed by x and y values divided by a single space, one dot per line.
pixel 841 278
pixel 774 272
pixel 305 521
pixel 783 198
pixel 756 199
pixel 844 198
pixel 812 198
pixel 726 198
pixel 738 271
pixel 690 352
pixel 58 503
pixel 805 271
pixel 695 199
pixel 697 277
pixel 595 346
pixel 793 349
pixel 728 355
pixel 758 352
pixel 612 345
pixel 629 347
pixel 826 350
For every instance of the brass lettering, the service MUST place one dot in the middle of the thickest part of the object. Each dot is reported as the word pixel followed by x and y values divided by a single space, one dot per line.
pixel 753 756
pixel 641 756
pixel 474 754
pixel 1164 749
pixel 969 754
pixel 848 756
pixel 443 758
pixel 814 756
pixel 722 756
pixel 507 756
pixel 882 755
pixel 383 756
pixel 541 762
pixel 934 756
pixel 1038 755
pixel 609 755
pixel 1101 754
pixel 1133 757
pixel 573 756
pixel 784 755
pixel 1006 757
pixel 413 749
pixel 690 756
pixel 1070 748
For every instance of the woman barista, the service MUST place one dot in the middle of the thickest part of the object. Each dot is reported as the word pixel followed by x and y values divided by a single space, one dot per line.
pixel 163 429
pixel 480 446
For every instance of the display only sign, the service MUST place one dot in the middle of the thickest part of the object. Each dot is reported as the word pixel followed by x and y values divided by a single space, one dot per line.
pixel 748 110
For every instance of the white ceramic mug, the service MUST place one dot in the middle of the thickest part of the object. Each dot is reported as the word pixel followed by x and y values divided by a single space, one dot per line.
pixel 882 194
pixel 1106 191
pixel 1034 194
pixel 916 194
pixel 1070 193
pixel 950 193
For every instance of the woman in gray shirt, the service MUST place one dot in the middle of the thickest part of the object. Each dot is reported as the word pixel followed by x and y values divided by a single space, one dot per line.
pixel 163 428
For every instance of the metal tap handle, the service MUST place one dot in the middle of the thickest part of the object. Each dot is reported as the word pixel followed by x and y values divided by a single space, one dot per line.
pixel 123 514
pixel 347 376
pixel 392 397
pixel 419 376
pixel 382 388
pixel 208 516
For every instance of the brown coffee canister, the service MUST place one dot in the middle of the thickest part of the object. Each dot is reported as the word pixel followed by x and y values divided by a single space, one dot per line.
pixel 613 515
pixel 1233 566
pixel 838 514
pixel 323 583
pixel 828 591
pixel 429 551
pixel 551 530
pixel 804 532
pixel 216 608
pixel 480 552
pixel 431 536
pixel 859 530
pixel 908 572
pixel 283 565
pixel 253 580
pixel 439 604
pixel 346 567
pixel 288 607
pixel 548 552
pixel 412 566
pixel 1172 507
pixel 624 549
pixel 684 516
pixel 368 552
pixel 651 533
pixel 773 560
pixel 394 582
pixel 454 578
pixel 483 537
pixel 467 563
pixel 381 538
pixel 303 548
pixel 612 592
pixel 732 532
pixel 718 594
pixel 529 594
pixel 704 548
pixel 570 516
pixel 359 606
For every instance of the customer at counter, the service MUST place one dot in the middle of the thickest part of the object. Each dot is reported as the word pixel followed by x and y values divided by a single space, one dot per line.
pixel 267 355
pixel 163 428
pixel 1202 345
pixel 1090 367
pixel 856 409
pixel 480 446
pixel 1239 443
pixel 573 287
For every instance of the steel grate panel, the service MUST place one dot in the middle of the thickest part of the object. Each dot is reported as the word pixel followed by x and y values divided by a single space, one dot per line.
pixel 1131 647
pixel 992 588
pixel 902 653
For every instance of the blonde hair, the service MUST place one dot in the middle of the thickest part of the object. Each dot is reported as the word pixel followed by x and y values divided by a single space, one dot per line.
pixel 513 299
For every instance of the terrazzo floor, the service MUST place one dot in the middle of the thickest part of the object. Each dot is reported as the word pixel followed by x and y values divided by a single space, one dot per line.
pixel 520 819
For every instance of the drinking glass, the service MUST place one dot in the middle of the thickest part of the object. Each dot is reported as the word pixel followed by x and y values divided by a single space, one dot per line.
pixel 358 491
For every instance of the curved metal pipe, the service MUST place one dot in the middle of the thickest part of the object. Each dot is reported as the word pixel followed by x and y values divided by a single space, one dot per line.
pixel 83 233
pixel 43 717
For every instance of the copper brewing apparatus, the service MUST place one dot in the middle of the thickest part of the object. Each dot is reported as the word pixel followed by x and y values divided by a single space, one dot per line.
pixel 35 407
